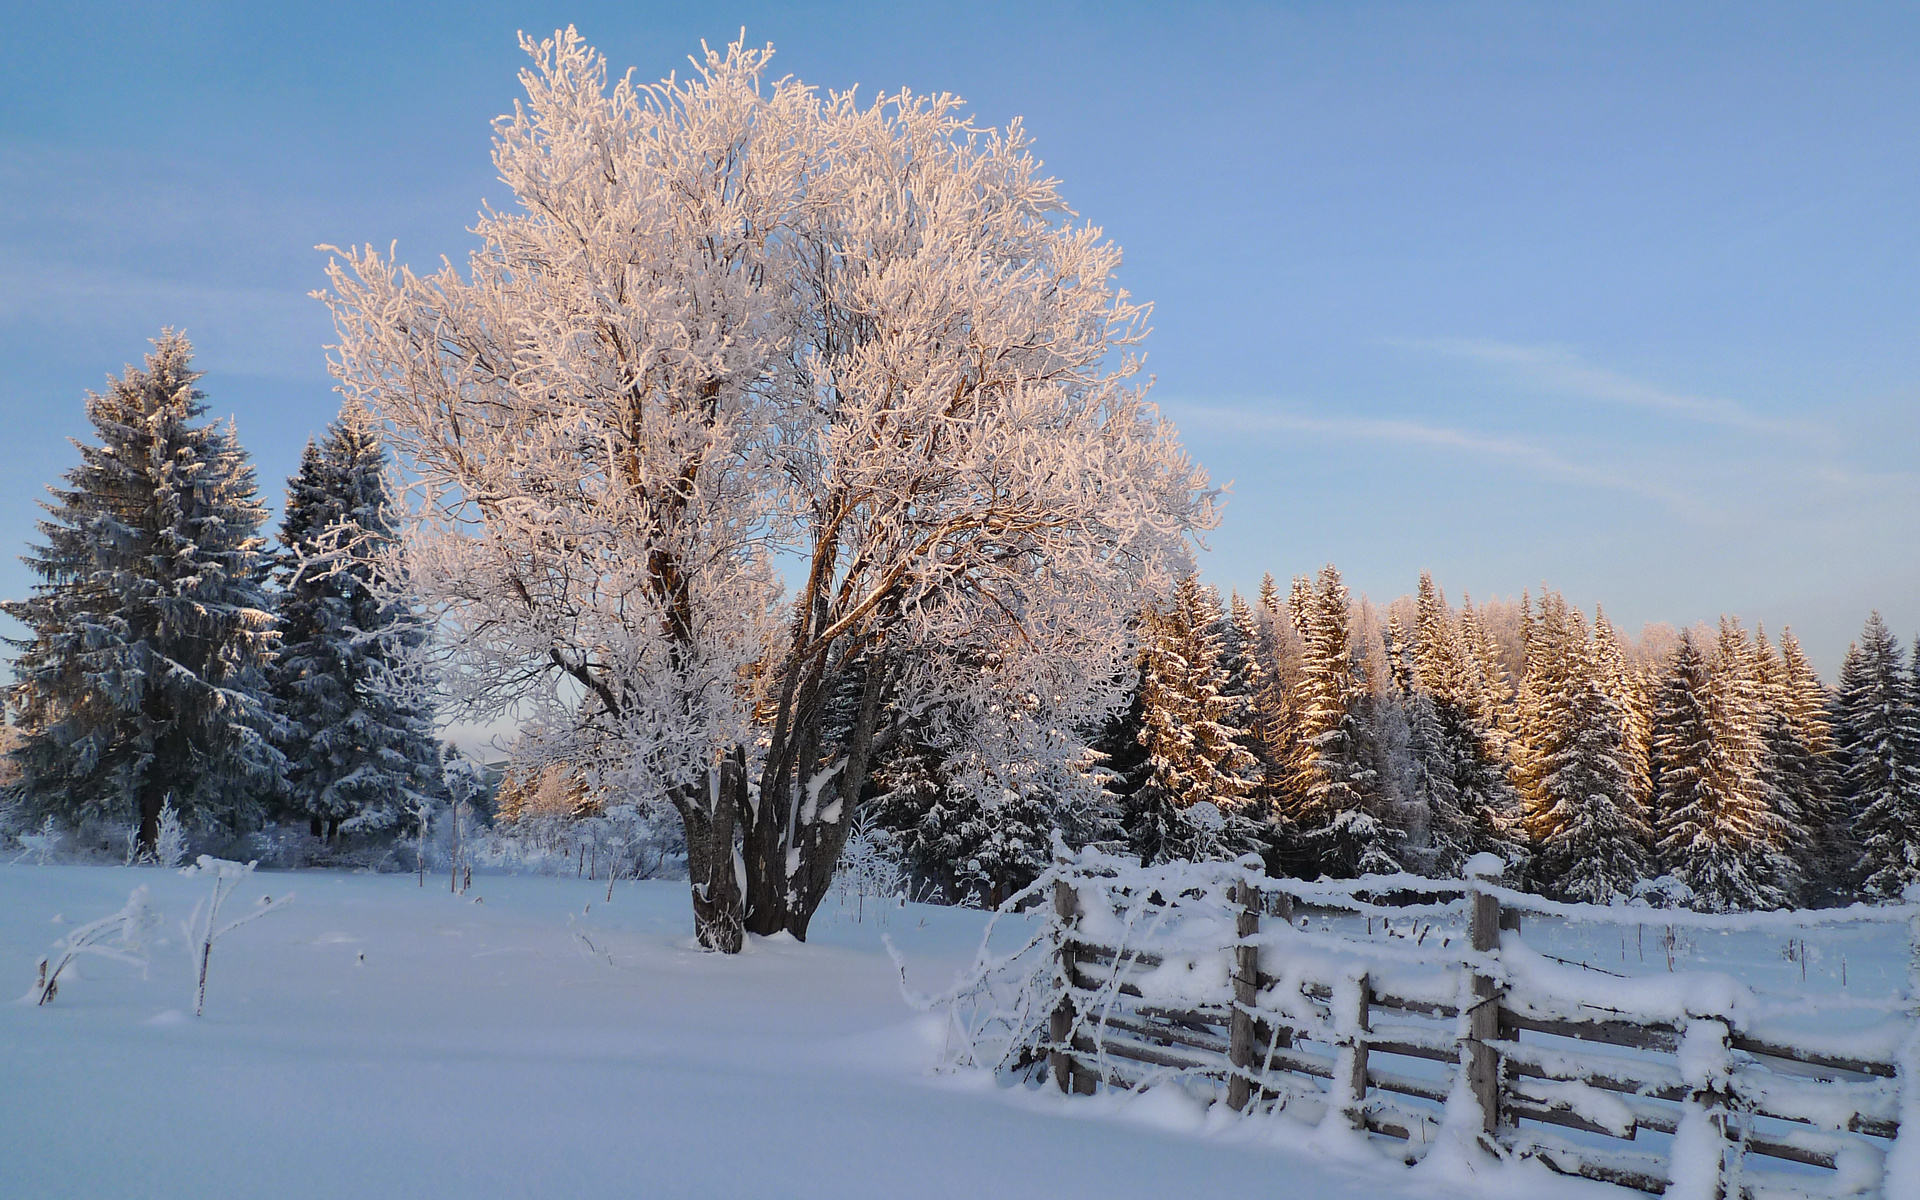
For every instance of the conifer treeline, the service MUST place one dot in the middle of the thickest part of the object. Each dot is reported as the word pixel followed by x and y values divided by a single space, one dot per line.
pixel 1716 769
pixel 173 659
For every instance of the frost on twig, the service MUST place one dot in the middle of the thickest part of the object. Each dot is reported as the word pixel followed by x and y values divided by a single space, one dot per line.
pixel 203 928
pixel 122 936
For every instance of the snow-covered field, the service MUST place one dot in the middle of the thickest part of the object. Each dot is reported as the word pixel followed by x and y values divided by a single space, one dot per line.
pixel 531 1039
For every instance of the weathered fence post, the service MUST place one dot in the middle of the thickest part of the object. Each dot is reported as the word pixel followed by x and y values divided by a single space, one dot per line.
pixel 1350 1069
pixel 1279 1037
pixel 1483 1018
pixel 1066 908
pixel 1246 990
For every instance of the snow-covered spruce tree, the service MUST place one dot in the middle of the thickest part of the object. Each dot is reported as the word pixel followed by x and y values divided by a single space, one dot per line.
pixel 1800 760
pixel 1628 686
pixel 1876 729
pixel 1333 799
pixel 1717 830
pixel 974 811
pixel 1588 833
pixel 733 318
pixel 1490 693
pixel 142 677
pixel 1249 685
pixel 359 740
pixel 1539 673
pixel 1682 746
pixel 1478 808
pixel 1278 658
pixel 1441 837
pixel 1195 752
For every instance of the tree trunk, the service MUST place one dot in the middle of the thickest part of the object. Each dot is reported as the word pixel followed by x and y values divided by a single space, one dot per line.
pixel 802 821
pixel 713 874
pixel 152 798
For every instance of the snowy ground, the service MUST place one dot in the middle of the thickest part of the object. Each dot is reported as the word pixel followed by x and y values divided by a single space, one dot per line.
pixel 483 1049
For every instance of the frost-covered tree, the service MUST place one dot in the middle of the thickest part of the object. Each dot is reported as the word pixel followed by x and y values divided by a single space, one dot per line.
pixel 731 318
pixel 1431 767
pixel 359 740
pixel 1488 694
pixel 1627 686
pixel 1278 659
pixel 1876 728
pixel 973 816
pixel 1334 801
pixel 1799 752
pixel 1589 833
pixel 1682 748
pixel 1189 726
pixel 1471 802
pixel 1718 831
pixel 1249 684
pixel 142 676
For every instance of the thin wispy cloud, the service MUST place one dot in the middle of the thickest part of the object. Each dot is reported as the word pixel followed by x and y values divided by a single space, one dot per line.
pixel 1529 455
pixel 250 329
pixel 1562 371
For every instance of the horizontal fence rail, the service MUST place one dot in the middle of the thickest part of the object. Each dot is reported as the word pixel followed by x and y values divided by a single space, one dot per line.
pixel 1451 1019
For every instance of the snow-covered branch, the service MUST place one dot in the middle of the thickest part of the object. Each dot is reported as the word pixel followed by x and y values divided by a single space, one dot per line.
pixel 121 936
pixel 203 927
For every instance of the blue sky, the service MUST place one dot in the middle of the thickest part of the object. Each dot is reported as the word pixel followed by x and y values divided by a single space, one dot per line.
pixel 1621 298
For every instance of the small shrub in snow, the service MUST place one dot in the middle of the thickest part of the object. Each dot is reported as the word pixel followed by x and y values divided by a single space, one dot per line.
pixel 203 928
pixel 41 846
pixel 121 936
pixel 870 865
pixel 170 845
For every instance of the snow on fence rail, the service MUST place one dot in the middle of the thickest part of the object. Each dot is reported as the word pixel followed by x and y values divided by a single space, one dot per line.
pixel 1447 1028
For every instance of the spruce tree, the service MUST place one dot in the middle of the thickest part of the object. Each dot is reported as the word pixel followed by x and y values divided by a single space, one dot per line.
pixel 1682 746
pixel 1719 832
pixel 1628 687
pixel 1450 712
pixel 360 738
pixel 1249 686
pixel 1489 695
pixel 1280 660
pixel 1877 729
pixel 957 841
pixel 1801 765
pixel 1333 795
pixel 1195 752
pixel 1590 834
pixel 142 678
pixel 1432 765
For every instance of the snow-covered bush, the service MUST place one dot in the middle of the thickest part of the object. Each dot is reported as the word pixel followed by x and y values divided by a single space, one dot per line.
pixel 169 845
pixel 42 845
pixel 870 865
pixel 203 927
pixel 624 841
pixel 1664 891
pixel 121 936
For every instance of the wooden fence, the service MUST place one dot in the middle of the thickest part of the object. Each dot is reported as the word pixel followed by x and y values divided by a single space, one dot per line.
pixel 1572 1089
